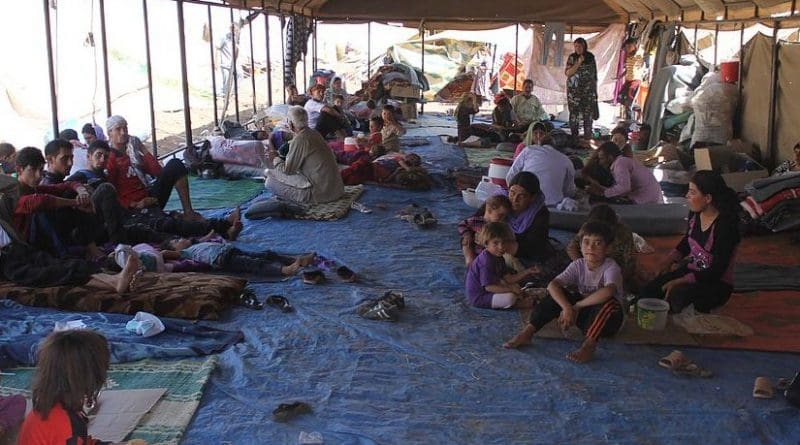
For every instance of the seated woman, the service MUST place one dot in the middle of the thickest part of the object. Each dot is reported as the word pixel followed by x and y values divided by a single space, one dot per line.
pixel 392 130
pixel 621 249
pixel 619 136
pixel 503 127
pixel 554 170
pixel 789 166
pixel 536 132
pixel 466 108
pixel 700 269
pixel 633 182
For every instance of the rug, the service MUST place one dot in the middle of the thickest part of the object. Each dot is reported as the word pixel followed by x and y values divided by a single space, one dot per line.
pixel 331 211
pixel 217 193
pixel 166 422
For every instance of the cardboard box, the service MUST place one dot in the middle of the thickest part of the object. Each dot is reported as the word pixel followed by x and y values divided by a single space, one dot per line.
pixel 409 111
pixel 725 161
pixel 409 91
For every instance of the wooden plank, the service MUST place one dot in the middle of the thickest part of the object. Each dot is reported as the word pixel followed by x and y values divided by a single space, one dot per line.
pixel 712 8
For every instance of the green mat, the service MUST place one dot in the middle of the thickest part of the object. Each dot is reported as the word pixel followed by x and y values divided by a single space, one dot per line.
pixel 217 193
pixel 481 156
pixel 166 422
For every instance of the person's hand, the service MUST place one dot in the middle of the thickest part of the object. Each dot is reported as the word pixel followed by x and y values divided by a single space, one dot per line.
pixel 580 59
pixel 670 285
pixel 83 197
pixel 593 187
pixel 566 319
pixel 86 207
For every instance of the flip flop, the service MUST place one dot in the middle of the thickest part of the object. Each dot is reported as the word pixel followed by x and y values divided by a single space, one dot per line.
pixel 783 384
pixel 279 302
pixel 286 411
pixel 692 370
pixel 249 300
pixel 314 276
pixel 762 388
pixel 378 310
pixel 346 274
pixel 676 359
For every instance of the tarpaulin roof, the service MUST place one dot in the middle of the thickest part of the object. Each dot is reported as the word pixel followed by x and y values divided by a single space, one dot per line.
pixel 477 14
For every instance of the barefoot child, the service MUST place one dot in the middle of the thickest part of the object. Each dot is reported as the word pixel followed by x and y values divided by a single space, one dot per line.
pixel 71 370
pixel 586 294
pixel 488 284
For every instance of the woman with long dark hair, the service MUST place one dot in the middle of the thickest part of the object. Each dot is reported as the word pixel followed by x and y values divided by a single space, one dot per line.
pixel 700 269
pixel 581 88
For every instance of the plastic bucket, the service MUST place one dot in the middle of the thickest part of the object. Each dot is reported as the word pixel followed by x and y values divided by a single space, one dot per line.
pixel 498 169
pixel 486 189
pixel 651 314
pixel 729 71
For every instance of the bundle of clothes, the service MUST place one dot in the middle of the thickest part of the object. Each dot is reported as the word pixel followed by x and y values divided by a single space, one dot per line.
pixel 774 203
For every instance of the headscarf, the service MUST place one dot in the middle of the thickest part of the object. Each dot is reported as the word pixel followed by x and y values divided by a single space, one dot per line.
pixel 521 221
pixel 135 149
pixel 499 98
pixel 528 140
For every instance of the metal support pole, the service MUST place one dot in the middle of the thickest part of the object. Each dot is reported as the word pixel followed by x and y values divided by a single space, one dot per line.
pixel 314 55
pixel 187 117
pixel 516 55
pixel 741 49
pixel 252 66
pixel 50 71
pixel 305 70
pixel 716 47
pixel 269 58
pixel 773 104
pixel 283 56
pixel 104 47
pixel 150 78
pixel 694 44
pixel 422 33
pixel 234 62
pixel 213 67
pixel 369 50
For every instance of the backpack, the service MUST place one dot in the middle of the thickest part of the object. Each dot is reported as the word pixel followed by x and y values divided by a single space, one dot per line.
pixel 198 160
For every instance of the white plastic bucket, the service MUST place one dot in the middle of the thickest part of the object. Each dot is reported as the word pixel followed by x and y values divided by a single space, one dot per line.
pixel 486 189
pixel 470 199
pixel 498 170
pixel 350 144
pixel 651 314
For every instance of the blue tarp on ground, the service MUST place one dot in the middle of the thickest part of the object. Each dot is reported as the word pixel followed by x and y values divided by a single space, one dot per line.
pixel 439 375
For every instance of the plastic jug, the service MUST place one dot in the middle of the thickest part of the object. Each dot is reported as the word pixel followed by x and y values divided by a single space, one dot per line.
pixel 486 189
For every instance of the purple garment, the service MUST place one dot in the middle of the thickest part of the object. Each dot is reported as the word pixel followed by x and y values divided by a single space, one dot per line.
pixel 522 221
pixel 12 411
pixel 634 181
pixel 486 270
pixel 577 277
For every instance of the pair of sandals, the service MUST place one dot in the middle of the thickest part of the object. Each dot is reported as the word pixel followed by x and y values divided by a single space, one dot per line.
pixel 764 389
pixel 286 411
pixel 317 276
pixel 249 300
pixel 280 302
pixel 681 365
pixel 385 308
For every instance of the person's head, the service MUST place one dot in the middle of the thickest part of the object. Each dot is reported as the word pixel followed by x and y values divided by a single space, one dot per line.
pixel 497 208
pixel 58 154
pixel 607 153
pixel 338 100
pixel 412 159
pixel 7 152
pixel 337 83
pixel 630 46
pixel 30 164
pixel 619 136
pixel 708 189
pixel 493 235
pixel 468 99
pixel 371 104
pixel 98 155
pixel 501 100
pixel 796 152
pixel 527 86
pixel 117 128
pixel 68 135
pixel 176 244
pixel 603 213
pixel 580 45
pixel 387 113
pixel 71 369
pixel 89 134
pixel 375 124
pixel 596 236
pixel 522 190
pixel 538 132
pixel 317 91
pixel 298 118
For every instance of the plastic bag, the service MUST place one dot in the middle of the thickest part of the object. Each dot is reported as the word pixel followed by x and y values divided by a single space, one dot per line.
pixel 714 103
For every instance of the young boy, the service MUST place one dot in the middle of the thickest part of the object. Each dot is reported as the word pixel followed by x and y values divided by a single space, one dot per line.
pixel 587 294
pixel 496 209
pixel 488 284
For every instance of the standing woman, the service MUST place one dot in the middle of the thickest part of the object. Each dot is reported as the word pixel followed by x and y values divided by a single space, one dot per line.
pixel 700 269
pixel 581 88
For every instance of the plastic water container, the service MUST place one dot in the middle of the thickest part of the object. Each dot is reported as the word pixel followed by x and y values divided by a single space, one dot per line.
pixel 470 199
pixel 486 189
pixel 651 314
pixel 498 170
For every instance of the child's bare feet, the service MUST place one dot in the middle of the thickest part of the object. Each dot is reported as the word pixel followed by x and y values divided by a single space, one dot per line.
pixel 128 274
pixel 235 216
pixel 234 231
pixel 583 354
pixel 292 268
pixel 522 338
pixel 307 259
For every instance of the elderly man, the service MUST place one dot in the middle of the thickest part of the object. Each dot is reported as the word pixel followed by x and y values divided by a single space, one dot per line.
pixel 310 173
pixel 527 107
pixel 323 117
pixel 138 176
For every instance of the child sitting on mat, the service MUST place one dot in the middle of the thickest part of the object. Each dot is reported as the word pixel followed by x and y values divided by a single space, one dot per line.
pixel 587 294
pixel 71 370
pixel 489 284
pixel 495 209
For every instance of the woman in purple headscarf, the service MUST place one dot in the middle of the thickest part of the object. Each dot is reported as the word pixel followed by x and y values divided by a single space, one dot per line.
pixel 529 218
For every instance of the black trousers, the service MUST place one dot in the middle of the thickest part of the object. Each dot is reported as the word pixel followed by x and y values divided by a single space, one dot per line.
pixel 114 218
pixel 266 264
pixel 159 221
pixel 328 123
pixel 704 295
pixel 600 320
pixel 162 188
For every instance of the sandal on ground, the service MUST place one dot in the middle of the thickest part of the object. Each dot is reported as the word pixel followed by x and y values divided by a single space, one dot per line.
pixel 692 370
pixel 762 388
pixel 393 298
pixel 313 276
pixel 279 302
pixel 346 274
pixel 249 300
pixel 286 411
pixel 676 359
pixel 378 310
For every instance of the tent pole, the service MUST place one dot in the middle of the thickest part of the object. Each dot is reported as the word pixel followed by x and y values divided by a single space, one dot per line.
pixel 150 76
pixel 516 55
pixel 50 71
pixel 314 61
pixel 213 66
pixel 422 33
pixel 694 43
pixel 252 66
pixel 187 117
pixel 369 50
pixel 716 47
pixel 741 49
pixel 104 46
pixel 283 55
pixel 233 71
pixel 305 70
pixel 773 90
pixel 269 58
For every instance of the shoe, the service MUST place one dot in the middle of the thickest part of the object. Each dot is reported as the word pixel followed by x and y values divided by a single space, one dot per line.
pixel 393 298
pixel 378 310
pixel 248 299
pixel 346 274
pixel 279 302
pixel 286 411
pixel 313 276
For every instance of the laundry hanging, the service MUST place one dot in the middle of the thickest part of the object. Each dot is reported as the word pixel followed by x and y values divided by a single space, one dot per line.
pixel 297 30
